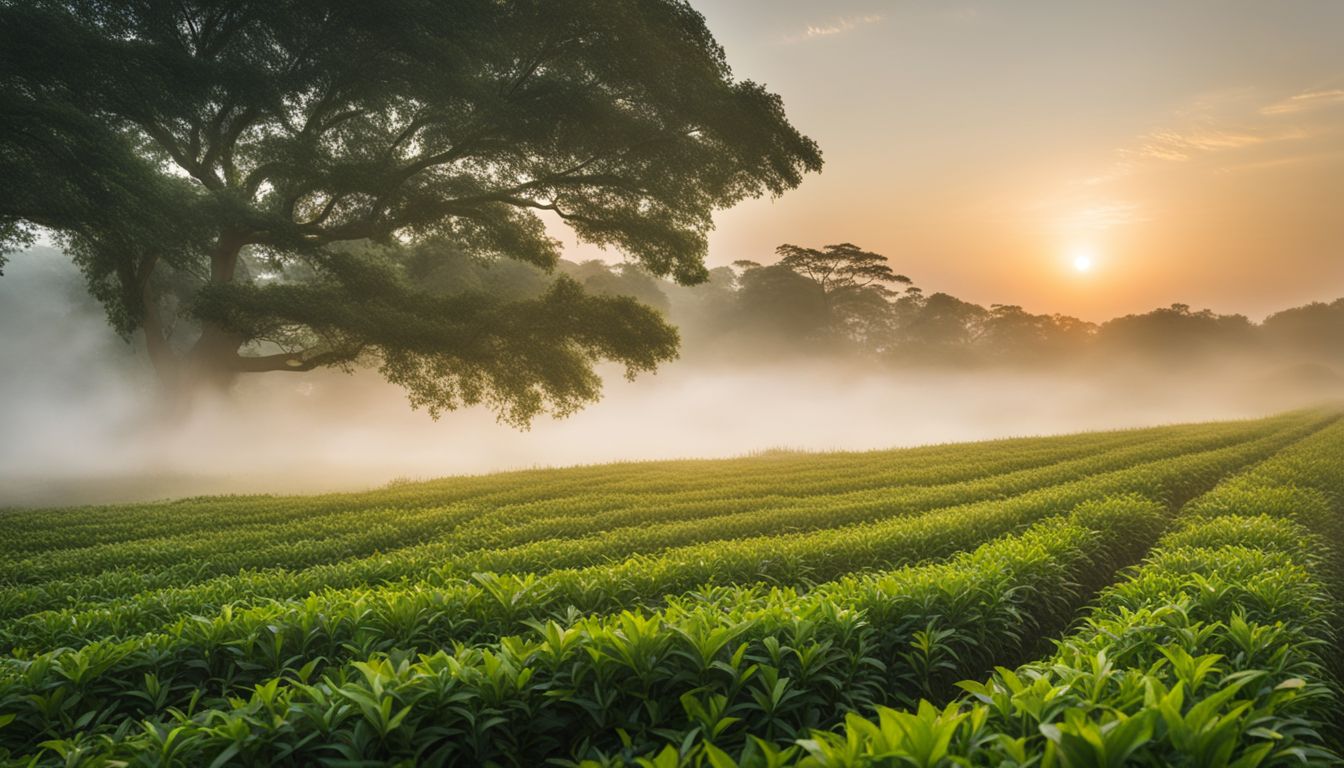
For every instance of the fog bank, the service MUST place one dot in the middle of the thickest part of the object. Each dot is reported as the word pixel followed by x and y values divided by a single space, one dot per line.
pixel 80 423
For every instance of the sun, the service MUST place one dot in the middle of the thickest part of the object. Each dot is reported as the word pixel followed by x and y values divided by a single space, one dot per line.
pixel 1083 258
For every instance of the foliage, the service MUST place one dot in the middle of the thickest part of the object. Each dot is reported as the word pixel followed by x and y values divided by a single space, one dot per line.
pixel 663 613
pixel 1217 651
pixel 857 515
pixel 236 163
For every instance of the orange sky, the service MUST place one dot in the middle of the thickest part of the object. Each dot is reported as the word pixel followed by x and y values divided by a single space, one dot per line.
pixel 1194 149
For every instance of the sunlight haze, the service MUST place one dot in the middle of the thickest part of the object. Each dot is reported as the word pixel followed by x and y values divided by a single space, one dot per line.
pixel 1199 145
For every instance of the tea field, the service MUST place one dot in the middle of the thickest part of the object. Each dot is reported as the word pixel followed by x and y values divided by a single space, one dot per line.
pixel 1162 596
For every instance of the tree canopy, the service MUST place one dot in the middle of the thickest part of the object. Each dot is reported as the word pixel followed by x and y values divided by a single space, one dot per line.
pixel 839 268
pixel 247 181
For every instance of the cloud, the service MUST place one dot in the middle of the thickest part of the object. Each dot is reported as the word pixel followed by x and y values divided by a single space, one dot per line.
pixel 1216 133
pixel 834 27
pixel 1303 102
pixel 1221 122
pixel 1182 144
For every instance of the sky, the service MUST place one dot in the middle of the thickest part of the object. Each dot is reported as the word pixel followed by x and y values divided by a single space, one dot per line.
pixel 1193 151
pixel 1190 152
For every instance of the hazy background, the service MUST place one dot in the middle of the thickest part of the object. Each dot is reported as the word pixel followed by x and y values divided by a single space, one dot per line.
pixel 1193 151
pixel 81 424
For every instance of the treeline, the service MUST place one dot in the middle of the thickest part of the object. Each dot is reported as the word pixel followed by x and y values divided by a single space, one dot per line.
pixel 842 300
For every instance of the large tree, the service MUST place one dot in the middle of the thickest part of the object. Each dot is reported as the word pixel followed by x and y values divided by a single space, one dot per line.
pixel 240 180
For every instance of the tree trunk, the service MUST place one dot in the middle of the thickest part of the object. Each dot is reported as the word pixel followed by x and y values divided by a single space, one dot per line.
pixel 211 364
pixel 209 367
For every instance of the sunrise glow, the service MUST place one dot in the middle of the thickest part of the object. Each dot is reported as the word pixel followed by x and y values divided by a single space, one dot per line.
pixel 1083 258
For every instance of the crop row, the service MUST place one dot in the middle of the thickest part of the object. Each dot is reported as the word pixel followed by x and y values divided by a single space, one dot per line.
pixel 82 576
pixel 1217 652
pixel 447 601
pixel 774 658
pixel 809 472
pixel 793 474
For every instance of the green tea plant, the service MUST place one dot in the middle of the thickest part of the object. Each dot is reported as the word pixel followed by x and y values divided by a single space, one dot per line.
pixel 681 515
pixel 773 661
pixel 1217 651
pixel 775 558
pixel 881 608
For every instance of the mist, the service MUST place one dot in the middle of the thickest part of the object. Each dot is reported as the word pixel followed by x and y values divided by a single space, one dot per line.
pixel 81 421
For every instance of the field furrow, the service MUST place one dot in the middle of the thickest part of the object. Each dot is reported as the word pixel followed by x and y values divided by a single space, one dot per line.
pixel 43 580
pixel 774 557
pixel 92 528
pixel 1222 649
pixel 751 612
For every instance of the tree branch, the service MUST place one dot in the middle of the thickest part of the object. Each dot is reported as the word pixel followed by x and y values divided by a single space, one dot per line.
pixel 295 362
pixel 166 140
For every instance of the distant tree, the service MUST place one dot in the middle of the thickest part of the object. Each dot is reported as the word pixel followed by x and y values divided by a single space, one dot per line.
pixel 237 180
pixel 908 305
pixel 1069 335
pixel 1315 330
pixel 779 304
pixel 939 326
pixel 855 286
pixel 1011 333
pixel 788 309
pixel 620 280
pixel 706 309
pixel 1176 334
pixel 839 268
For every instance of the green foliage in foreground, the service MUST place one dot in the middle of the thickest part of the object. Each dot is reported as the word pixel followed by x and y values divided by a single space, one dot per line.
pixel 712 642
pixel 1216 652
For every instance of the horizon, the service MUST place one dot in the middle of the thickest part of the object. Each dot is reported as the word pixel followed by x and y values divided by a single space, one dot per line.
pixel 1194 153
